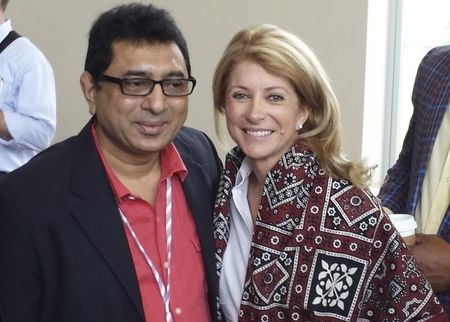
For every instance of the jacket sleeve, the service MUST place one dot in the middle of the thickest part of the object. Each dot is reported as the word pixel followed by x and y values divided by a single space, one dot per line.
pixel 430 98
pixel 19 268
pixel 31 115
pixel 394 191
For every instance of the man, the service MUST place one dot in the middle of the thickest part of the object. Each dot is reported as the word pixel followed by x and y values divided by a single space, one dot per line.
pixel 111 225
pixel 419 182
pixel 27 98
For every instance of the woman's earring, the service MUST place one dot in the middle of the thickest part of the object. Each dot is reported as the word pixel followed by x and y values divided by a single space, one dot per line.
pixel 299 127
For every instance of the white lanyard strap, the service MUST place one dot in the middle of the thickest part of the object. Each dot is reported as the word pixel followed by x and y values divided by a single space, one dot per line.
pixel 163 289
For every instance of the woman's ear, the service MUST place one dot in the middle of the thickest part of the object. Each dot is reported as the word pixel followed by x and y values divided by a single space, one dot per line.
pixel 303 117
pixel 89 90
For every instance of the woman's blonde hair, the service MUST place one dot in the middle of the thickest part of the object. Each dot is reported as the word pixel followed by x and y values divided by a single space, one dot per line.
pixel 283 54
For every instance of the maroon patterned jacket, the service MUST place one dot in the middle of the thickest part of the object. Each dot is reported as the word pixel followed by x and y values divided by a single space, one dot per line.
pixel 322 250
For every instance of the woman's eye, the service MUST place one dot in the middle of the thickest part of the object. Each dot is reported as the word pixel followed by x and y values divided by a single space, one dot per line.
pixel 276 98
pixel 239 96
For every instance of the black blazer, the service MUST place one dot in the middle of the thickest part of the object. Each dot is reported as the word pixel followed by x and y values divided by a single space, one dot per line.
pixel 64 255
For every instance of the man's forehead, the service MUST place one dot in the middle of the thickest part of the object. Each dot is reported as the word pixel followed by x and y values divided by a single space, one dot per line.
pixel 148 57
pixel 119 45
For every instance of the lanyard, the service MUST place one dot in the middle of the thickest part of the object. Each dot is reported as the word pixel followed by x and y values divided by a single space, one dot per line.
pixel 164 290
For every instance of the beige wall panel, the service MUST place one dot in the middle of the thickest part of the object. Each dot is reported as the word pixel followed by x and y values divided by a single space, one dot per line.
pixel 336 30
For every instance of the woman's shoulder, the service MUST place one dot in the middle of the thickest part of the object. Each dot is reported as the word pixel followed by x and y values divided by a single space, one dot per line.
pixel 340 196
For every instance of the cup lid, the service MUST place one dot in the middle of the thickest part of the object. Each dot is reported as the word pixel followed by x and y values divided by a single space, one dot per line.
pixel 404 223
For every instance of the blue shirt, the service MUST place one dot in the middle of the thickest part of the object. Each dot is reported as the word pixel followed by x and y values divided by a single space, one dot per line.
pixel 27 99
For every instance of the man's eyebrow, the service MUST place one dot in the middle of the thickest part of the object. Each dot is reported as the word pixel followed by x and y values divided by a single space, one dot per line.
pixel 141 73
pixel 177 73
pixel 135 73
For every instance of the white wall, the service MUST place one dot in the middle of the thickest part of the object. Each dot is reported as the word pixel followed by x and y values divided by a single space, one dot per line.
pixel 336 30
pixel 379 87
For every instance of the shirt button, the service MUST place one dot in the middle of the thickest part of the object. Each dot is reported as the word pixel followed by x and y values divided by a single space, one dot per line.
pixel 177 310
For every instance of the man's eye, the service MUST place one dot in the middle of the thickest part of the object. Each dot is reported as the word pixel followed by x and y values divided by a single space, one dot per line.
pixel 175 83
pixel 136 82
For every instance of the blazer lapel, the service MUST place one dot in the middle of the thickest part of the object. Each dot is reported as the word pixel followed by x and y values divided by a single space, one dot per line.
pixel 200 205
pixel 98 216
pixel 202 210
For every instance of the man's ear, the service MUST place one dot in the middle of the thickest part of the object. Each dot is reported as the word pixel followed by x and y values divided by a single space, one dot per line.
pixel 89 90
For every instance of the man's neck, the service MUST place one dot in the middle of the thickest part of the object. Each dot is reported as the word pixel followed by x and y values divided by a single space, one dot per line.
pixel 141 180
pixel 140 176
pixel 2 16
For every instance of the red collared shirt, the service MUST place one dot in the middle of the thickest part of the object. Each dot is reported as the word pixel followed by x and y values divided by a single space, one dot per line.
pixel 188 295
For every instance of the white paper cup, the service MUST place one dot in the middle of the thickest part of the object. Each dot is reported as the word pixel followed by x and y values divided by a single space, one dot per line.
pixel 406 226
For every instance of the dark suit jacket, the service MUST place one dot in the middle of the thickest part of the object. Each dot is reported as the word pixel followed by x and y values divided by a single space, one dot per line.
pixel 64 255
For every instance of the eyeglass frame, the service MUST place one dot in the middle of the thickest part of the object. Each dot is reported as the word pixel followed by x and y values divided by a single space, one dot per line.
pixel 119 81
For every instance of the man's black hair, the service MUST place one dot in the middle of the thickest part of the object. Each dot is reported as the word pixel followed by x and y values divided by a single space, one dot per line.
pixel 131 22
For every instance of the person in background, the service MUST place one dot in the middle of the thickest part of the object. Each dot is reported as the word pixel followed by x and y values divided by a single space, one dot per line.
pixel 419 181
pixel 27 98
pixel 299 237
pixel 115 224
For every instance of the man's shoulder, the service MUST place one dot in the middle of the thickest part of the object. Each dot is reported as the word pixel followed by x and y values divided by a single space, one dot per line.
pixel 189 134
pixel 437 62
pixel 190 140
pixel 23 52
pixel 195 147
pixel 46 165
pixel 441 52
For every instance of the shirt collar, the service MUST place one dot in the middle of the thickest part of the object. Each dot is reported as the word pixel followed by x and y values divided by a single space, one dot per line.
pixel 5 28
pixel 172 166
pixel 244 172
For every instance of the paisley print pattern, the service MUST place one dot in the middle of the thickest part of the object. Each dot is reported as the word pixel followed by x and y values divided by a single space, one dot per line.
pixel 322 250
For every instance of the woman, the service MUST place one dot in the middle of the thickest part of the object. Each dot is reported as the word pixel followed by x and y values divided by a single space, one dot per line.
pixel 298 236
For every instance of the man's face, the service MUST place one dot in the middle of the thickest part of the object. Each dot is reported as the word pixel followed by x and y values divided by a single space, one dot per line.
pixel 138 126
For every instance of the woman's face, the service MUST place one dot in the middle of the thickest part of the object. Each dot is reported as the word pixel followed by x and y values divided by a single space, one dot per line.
pixel 262 112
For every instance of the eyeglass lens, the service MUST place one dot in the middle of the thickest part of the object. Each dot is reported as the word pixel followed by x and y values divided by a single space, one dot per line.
pixel 170 87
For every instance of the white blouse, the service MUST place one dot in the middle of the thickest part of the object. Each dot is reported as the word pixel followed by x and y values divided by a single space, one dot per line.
pixel 235 259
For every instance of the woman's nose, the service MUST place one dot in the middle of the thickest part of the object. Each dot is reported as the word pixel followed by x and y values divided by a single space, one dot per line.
pixel 256 109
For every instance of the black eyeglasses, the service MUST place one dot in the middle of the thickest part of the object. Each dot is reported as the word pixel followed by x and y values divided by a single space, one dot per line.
pixel 135 86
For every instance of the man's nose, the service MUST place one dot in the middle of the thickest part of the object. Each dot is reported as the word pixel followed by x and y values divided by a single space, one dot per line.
pixel 155 101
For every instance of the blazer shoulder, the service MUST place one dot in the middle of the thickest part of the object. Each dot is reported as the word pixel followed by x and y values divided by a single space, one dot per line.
pixel 53 161
pixel 436 63
pixel 189 137
pixel 44 163
pixel 196 146
pixel 439 55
